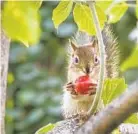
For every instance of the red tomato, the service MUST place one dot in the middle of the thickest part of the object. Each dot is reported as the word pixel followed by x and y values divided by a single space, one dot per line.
pixel 82 84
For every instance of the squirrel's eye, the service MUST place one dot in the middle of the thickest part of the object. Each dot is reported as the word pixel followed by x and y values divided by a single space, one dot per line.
pixel 76 60
pixel 96 60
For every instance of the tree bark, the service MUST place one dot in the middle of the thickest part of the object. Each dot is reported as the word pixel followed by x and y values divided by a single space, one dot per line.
pixel 4 56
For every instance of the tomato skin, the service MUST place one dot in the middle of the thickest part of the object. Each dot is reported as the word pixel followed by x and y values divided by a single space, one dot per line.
pixel 82 87
pixel 83 79
pixel 82 84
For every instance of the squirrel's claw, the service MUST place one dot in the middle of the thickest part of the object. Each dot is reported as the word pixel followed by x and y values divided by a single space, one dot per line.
pixel 73 92
pixel 70 87
pixel 92 90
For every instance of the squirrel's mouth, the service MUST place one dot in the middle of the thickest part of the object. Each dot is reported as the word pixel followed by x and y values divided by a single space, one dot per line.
pixel 87 70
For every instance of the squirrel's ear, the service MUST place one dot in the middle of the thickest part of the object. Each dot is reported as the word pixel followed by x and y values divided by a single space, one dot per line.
pixel 73 45
pixel 95 43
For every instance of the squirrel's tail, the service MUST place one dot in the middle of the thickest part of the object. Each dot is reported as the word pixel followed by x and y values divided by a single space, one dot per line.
pixel 112 53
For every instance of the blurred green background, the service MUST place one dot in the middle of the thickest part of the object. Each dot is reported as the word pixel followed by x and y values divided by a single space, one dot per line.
pixel 37 74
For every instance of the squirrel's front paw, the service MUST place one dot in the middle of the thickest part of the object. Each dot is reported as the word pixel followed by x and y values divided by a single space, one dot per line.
pixel 92 89
pixel 70 87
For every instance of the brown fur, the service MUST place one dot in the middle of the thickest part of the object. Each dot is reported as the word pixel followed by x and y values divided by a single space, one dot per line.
pixel 86 53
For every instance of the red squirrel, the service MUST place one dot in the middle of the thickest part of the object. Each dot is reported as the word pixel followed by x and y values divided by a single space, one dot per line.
pixel 84 60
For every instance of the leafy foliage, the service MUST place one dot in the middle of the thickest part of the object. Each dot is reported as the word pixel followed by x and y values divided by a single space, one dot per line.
pixel 133 119
pixel 112 88
pixel 24 21
pixel 10 78
pixel 35 75
pixel 37 4
pixel 83 16
pixel 116 131
pixel 84 20
pixel 116 12
pixel 45 129
pixel 104 5
pixel 132 61
pixel 61 12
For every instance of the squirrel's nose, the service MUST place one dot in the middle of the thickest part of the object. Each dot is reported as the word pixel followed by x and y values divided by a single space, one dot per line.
pixel 87 69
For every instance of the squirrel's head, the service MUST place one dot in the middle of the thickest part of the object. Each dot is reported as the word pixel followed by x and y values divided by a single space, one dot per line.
pixel 85 58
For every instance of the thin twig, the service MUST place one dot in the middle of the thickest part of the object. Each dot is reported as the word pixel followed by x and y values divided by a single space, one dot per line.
pixel 102 60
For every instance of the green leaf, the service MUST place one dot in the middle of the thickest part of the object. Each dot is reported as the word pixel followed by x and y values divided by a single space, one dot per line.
pixel 113 88
pixel 20 21
pixel 133 119
pixel 131 62
pixel 101 16
pixel 104 5
pixel 10 78
pixel 45 129
pixel 116 131
pixel 83 18
pixel 61 12
pixel 37 4
pixel 117 11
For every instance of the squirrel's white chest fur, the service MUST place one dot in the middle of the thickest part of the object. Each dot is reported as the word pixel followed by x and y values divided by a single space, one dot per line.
pixel 73 105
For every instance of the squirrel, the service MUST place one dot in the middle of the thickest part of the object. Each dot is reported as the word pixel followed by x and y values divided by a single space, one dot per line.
pixel 84 60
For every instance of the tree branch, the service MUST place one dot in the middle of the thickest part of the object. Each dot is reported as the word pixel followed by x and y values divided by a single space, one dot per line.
pixel 4 56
